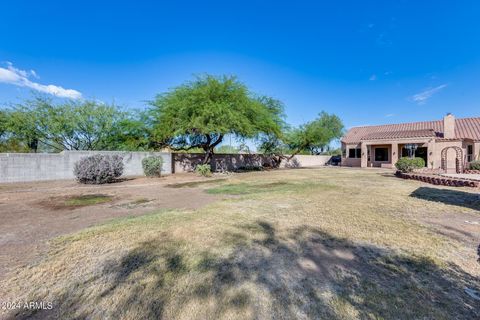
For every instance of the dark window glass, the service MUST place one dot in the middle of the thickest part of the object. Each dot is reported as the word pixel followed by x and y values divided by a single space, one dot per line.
pixel 359 153
pixel 381 154
pixel 469 153
pixel 351 153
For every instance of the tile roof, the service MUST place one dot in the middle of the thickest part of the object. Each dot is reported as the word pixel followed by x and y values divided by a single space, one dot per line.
pixel 466 128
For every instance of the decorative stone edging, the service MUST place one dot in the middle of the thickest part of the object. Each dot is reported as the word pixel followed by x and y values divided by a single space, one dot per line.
pixel 437 180
pixel 468 171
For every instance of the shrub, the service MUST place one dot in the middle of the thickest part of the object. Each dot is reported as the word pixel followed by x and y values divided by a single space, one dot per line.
pixel 409 164
pixel 475 165
pixel 98 169
pixel 152 166
pixel 204 170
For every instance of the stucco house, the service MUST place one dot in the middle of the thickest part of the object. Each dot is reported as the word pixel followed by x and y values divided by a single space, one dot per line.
pixel 448 144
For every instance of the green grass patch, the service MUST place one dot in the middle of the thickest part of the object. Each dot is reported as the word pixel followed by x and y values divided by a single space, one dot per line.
pixel 244 188
pixel 193 184
pixel 87 200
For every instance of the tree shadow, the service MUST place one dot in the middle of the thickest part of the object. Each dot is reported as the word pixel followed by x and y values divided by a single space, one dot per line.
pixel 448 196
pixel 299 273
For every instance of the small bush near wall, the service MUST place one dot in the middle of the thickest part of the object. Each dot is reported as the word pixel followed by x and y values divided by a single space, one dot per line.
pixel 475 165
pixel 98 169
pixel 152 166
pixel 409 164
pixel 204 170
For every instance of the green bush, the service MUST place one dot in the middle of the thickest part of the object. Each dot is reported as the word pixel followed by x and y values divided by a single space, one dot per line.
pixel 409 164
pixel 152 166
pixel 475 165
pixel 204 170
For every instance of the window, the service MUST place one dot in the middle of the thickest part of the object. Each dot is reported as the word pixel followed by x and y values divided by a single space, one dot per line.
pixel 344 153
pixel 355 153
pixel 469 153
pixel 381 154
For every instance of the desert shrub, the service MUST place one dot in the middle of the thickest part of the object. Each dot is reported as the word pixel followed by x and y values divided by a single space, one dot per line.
pixel 475 165
pixel 98 169
pixel 409 164
pixel 152 166
pixel 204 170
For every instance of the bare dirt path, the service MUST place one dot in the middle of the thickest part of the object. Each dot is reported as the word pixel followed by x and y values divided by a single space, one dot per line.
pixel 33 213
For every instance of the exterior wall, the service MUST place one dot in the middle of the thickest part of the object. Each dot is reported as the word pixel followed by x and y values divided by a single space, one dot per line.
pixel 382 164
pixel 186 162
pixel 451 155
pixel 17 167
pixel 350 162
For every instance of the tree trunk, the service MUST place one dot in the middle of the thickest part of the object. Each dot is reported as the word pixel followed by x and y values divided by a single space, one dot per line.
pixel 208 155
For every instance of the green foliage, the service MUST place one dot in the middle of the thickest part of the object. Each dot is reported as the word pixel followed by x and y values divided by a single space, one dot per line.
pixel 198 114
pixel 204 170
pixel 406 164
pixel 75 125
pixel 226 149
pixel 313 138
pixel 475 165
pixel 152 166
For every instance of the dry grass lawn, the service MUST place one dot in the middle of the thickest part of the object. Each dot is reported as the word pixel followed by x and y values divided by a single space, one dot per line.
pixel 290 244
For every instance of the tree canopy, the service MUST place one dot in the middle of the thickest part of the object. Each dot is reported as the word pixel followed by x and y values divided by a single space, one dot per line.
pixel 72 125
pixel 198 114
pixel 313 137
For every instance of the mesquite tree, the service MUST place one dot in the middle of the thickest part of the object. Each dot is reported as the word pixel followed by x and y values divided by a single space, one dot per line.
pixel 200 113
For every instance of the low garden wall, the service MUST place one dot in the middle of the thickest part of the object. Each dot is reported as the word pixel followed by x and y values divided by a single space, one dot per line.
pixel 17 167
pixel 186 162
pixel 439 180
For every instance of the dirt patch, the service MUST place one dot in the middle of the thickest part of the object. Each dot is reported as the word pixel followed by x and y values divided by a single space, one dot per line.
pixel 33 213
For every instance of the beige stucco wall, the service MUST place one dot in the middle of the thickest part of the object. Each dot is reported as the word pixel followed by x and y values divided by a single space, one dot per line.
pixel 350 162
pixel 434 152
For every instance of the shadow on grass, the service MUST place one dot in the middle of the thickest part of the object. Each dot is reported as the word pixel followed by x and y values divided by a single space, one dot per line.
pixel 305 273
pixel 447 196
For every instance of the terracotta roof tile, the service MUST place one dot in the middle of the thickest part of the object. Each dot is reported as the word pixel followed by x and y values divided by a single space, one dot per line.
pixel 467 128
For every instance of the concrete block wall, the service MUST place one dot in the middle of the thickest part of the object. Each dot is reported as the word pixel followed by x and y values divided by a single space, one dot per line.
pixel 17 167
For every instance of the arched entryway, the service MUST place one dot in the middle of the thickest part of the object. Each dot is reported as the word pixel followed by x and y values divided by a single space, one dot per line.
pixel 458 159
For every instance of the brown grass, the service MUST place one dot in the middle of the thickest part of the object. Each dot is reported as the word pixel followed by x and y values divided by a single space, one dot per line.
pixel 308 244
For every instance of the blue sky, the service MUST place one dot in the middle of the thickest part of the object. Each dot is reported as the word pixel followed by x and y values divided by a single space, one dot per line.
pixel 370 62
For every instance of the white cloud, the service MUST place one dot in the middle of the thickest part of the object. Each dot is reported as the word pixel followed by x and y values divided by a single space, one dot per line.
pixel 422 97
pixel 373 77
pixel 389 115
pixel 17 77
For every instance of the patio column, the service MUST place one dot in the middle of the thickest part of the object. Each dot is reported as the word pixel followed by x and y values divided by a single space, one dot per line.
pixel 394 153
pixel 431 157
pixel 476 151
pixel 364 159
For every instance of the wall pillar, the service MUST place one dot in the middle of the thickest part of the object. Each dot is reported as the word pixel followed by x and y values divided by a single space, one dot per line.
pixel 476 151
pixel 394 154
pixel 431 156
pixel 364 159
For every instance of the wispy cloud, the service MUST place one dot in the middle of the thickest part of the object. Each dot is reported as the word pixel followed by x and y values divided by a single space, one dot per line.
pixel 373 77
pixel 21 78
pixel 422 97
pixel 389 115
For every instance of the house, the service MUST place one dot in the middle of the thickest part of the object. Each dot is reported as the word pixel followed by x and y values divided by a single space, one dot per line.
pixel 448 144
